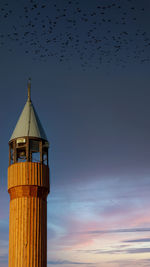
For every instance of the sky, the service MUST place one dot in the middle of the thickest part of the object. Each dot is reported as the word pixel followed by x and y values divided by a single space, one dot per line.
pixel 89 66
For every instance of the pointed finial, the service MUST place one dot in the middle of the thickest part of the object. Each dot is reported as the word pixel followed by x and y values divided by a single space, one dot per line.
pixel 29 89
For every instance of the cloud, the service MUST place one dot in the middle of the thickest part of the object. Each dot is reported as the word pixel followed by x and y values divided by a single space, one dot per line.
pixel 4 235
pixel 137 250
pixel 4 259
pixel 129 263
pixel 127 230
pixel 137 240
pixel 117 251
pixel 62 262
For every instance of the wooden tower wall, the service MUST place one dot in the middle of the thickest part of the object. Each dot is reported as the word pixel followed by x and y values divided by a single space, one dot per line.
pixel 28 186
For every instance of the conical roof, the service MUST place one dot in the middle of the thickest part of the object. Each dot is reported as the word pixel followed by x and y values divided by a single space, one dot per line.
pixel 28 123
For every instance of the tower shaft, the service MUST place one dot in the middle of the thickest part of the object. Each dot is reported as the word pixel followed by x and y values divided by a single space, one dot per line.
pixel 28 186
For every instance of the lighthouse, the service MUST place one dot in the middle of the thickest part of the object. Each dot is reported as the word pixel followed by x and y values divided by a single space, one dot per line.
pixel 28 187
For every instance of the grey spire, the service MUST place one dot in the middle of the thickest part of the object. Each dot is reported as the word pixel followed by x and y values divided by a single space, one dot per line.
pixel 28 123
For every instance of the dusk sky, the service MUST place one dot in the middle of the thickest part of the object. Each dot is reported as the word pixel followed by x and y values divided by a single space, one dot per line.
pixel 89 62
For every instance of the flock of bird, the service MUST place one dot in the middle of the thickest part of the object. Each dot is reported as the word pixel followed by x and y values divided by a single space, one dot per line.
pixel 92 33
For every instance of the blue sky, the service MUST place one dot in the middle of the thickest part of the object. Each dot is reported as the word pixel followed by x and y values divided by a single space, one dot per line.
pixel 97 121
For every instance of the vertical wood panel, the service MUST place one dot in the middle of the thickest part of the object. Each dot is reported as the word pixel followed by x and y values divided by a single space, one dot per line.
pixel 28 217
pixel 28 173
pixel 37 235
pixel 21 233
pixel 26 230
pixel 36 174
pixel 13 233
pixel 19 237
pixel 16 236
pixel 10 233
pixel 39 232
pixel 29 231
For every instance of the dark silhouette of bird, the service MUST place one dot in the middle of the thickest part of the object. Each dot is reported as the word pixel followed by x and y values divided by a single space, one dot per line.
pixel 102 33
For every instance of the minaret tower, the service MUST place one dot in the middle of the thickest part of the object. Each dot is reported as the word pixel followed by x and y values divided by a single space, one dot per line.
pixel 28 187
